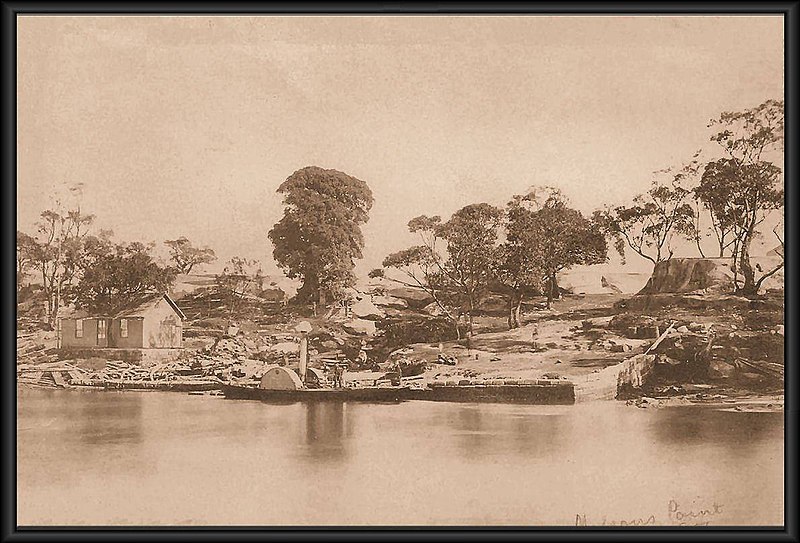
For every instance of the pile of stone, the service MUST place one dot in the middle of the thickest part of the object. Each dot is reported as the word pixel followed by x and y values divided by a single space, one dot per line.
pixel 28 324
pixel 49 374
pixel 637 326
pixel 237 356
pixel 617 345
pixel 31 351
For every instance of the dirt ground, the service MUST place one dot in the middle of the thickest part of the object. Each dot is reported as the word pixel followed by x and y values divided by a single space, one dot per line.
pixel 734 350
pixel 553 342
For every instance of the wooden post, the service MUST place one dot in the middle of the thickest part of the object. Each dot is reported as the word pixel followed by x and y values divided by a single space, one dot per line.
pixel 303 328
pixel 303 356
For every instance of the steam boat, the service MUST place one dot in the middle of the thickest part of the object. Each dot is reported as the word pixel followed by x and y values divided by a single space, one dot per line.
pixel 280 385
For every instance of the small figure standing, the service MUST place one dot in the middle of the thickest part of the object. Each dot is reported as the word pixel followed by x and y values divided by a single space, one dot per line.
pixel 338 370
pixel 362 354
pixel 397 370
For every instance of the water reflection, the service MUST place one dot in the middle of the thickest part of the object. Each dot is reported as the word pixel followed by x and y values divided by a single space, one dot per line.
pixel 735 431
pixel 65 434
pixel 481 432
pixel 89 417
pixel 116 419
pixel 154 458
pixel 325 430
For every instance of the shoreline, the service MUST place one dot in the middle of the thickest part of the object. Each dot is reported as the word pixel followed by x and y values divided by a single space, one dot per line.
pixel 735 402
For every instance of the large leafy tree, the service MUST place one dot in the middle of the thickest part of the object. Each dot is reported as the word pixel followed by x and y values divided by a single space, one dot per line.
pixel 715 191
pixel 186 256
pixel 115 274
pixel 649 225
pixel 454 261
pixel 57 253
pixel 559 237
pixel 241 277
pixel 517 268
pixel 27 248
pixel 743 187
pixel 319 236
pixel 471 237
pixel 421 266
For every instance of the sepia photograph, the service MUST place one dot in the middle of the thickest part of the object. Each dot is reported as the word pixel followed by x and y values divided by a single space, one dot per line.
pixel 409 270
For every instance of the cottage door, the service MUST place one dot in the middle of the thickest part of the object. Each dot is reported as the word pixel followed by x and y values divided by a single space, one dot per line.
pixel 102 331
pixel 111 341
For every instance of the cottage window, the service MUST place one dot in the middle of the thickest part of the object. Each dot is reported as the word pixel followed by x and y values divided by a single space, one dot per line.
pixel 101 329
pixel 123 327
pixel 79 328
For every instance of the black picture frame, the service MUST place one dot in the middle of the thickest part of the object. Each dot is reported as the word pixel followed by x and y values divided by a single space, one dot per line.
pixel 10 532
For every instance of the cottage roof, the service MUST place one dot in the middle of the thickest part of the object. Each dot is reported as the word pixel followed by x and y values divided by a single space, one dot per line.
pixel 75 314
pixel 137 307
pixel 140 305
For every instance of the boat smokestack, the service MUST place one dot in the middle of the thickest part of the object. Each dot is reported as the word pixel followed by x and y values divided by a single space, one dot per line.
pixel 304 328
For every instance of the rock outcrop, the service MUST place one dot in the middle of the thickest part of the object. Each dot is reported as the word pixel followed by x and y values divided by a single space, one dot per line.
pixel 390 302
pixel 413 297
pixel 682 275
pixel 365 309
pixel 360 327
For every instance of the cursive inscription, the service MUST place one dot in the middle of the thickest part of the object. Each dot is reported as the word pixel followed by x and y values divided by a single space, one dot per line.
pixel 684 516
pixel 580 520
pixel 677 515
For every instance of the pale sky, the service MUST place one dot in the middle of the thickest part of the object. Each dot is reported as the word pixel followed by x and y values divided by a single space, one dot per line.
pixel 187 125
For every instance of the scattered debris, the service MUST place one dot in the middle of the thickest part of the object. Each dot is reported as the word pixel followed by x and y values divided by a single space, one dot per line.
pixel 447 360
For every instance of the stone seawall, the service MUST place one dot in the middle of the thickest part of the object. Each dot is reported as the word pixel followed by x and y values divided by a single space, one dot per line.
pixel 619 381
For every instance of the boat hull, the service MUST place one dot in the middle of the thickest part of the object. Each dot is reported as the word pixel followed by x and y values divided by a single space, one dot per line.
pixel 373 394
pixel 549 394
pixel 541 394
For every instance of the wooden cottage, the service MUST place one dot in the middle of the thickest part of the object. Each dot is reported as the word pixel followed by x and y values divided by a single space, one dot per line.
pixel 152 321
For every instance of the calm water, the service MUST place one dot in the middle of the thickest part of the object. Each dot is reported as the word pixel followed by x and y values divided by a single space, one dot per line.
pixel 99 458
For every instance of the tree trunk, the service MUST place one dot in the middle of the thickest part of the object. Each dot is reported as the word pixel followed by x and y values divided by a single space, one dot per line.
pixel 469 317
pixel 735 265
pixel 552 288
pixel 309 292
pixel 749 287
pixel 721 243
pixel 697 230
pixel 514 302
pixel 56 306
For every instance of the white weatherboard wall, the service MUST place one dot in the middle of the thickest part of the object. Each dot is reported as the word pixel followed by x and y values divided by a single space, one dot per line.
pixel 162 327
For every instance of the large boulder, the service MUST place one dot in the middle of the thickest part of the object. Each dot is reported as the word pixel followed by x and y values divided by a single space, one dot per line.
pixel 285 347
pixel 682 275
pixel 415 298
pixel 390 302
pixel 434 310
pixel 603 279
pixel 360 327
pixel 365 309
